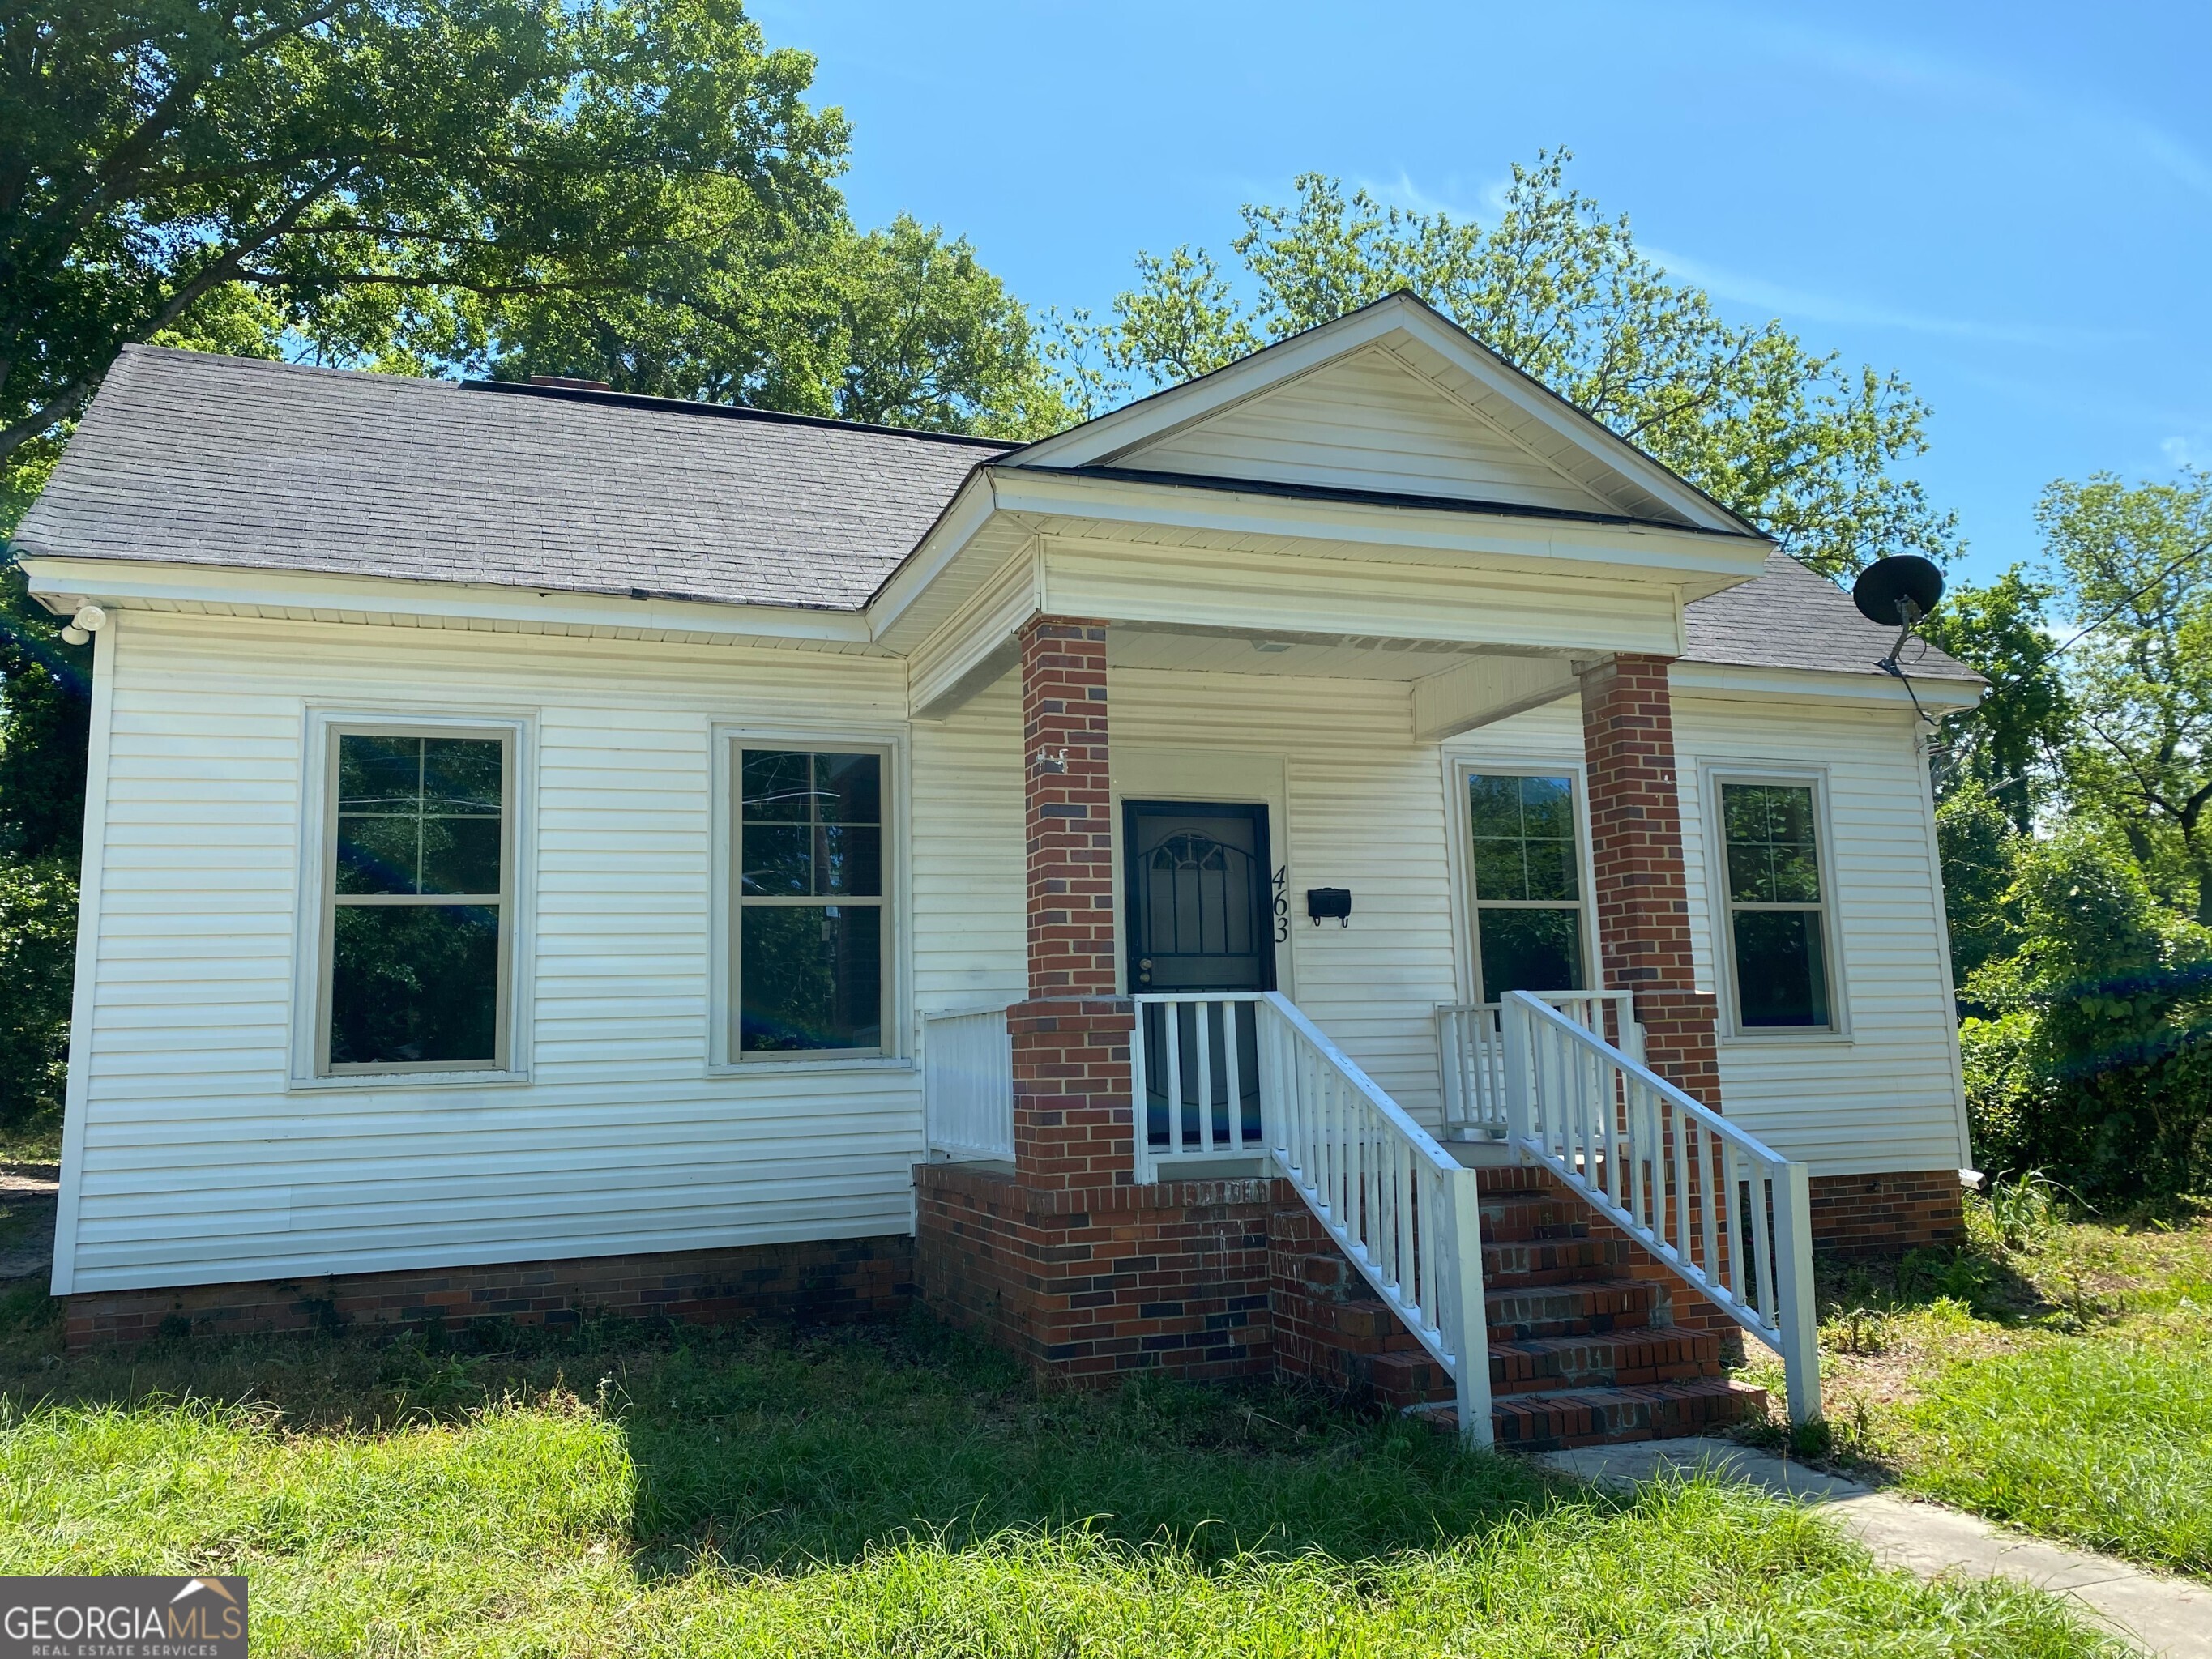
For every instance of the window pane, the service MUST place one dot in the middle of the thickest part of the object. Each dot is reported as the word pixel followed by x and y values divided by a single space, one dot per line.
pixel 848 789
pixel 850 859
pixel 379 774
pixel 1782 974
pixel 377 855
pixel 1530 950
pixel 1500 873
pixel 1494 805
pixel 809 976
pixel 460 855
pixel 1551 870
pixel 779 858
pixel 776 787
pixel 1547 811
pixel 462 775
pixel 414 982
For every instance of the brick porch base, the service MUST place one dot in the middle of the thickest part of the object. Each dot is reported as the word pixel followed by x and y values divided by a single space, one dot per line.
pixel 1862 1215
pixel 835 1279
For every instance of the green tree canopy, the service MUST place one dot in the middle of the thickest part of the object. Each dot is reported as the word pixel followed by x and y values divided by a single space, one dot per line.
pixel 2137 560
pixel 1794 440
pixel 628 190
pixel 2007 747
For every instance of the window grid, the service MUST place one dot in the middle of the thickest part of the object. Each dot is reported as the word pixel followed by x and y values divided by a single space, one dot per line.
pixel 348 849
pixel 822 810
pixel 1770 865
pixel 1526 857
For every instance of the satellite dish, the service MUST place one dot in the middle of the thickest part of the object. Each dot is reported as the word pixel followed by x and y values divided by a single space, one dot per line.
pixel 1899 591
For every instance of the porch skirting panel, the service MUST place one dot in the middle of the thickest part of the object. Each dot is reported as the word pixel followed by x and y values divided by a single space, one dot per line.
pixel 822 1281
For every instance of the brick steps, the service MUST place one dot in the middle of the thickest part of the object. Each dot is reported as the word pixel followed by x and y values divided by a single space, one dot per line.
pixel 1596 1417
pixel 1580 1354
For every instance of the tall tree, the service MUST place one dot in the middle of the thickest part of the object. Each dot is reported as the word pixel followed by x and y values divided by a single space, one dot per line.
pixel 2137 560
pixel 901 326
pixel 1794 440
pixel 2008 747
pixel 369 171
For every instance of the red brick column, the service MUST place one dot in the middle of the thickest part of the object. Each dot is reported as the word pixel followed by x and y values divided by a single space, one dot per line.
pixel 1636 869
pixel 1071 813
pixel 1071 1039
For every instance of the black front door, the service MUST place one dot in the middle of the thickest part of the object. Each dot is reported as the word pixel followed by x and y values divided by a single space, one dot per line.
pixel 1201 907
pixel 1199 898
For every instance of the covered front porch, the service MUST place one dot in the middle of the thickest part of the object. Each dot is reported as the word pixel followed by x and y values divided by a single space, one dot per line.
pixel 1257 1015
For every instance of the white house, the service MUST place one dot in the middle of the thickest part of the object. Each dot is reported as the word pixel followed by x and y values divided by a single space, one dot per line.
pixel 531 829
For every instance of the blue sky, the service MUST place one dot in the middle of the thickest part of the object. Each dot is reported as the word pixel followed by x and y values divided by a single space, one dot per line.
pixel 2012 204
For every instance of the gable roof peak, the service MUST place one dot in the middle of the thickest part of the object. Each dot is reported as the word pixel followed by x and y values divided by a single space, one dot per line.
pixel 1539 447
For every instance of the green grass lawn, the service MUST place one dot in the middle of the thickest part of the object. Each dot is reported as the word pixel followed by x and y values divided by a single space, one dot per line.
pixel 883 1490
pixel 2055 1374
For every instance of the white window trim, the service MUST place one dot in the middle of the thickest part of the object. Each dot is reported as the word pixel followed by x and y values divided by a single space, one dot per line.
pixel 1720 912
pixel 318 832
pixel 1458 769
pixel 725 738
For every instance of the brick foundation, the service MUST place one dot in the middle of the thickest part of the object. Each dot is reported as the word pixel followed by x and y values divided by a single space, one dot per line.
pixel 836 1280
pixel 1088 1287
pixel 1637 875
pixel 1862 1215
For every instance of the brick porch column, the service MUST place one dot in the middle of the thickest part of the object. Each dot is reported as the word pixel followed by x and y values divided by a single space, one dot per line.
pixel 1636 870
pixel 1071 1039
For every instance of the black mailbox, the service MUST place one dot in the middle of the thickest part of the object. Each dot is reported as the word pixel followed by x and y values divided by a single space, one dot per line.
pixel 1330 902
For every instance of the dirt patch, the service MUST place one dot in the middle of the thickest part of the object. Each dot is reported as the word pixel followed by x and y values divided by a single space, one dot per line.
pixel 28 1194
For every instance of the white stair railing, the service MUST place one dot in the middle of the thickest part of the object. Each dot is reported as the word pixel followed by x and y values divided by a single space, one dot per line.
pixel 967 1086
pixel 1471 1053
pixel 1726 1212
pixel 1223 1074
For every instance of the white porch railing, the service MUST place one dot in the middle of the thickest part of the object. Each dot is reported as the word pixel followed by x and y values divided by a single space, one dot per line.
pixel 967 1086
pixel 1471 1053
pixel 1231 1074
pixel 1723 1211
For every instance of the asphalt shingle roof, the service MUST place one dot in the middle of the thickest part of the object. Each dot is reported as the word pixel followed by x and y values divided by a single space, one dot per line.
pixel 1789 617
pixel 189 458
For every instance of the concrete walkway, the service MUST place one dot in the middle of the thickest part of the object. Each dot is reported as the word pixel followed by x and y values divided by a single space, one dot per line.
pixel 2168 1617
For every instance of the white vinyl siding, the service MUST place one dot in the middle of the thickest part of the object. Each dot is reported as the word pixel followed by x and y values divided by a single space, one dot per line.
pixel 200 1157
pixel 202 1161
pixel 1883 1093
pixel 1368 422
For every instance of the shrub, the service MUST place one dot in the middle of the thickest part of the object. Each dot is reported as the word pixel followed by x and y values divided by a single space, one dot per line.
pixel 2093 1068
pixel 38 934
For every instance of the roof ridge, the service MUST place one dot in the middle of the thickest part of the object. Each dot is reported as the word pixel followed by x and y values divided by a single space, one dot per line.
pixel 728 412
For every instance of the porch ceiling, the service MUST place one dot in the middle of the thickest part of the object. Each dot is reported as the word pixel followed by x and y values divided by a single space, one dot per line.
pixel 1251 652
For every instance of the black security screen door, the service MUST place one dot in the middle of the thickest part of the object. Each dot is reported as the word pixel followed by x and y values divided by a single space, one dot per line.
pixel 1201 917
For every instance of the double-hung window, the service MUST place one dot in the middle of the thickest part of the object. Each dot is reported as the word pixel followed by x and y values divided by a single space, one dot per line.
pixel 1528 886
pixel 809 923
pixel 416 959
pixel 1776 905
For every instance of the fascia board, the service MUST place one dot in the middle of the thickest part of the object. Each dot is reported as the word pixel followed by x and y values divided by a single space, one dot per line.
pixel 1755 684
pixel 1652 552
pixel 964 516
pixel 68 583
